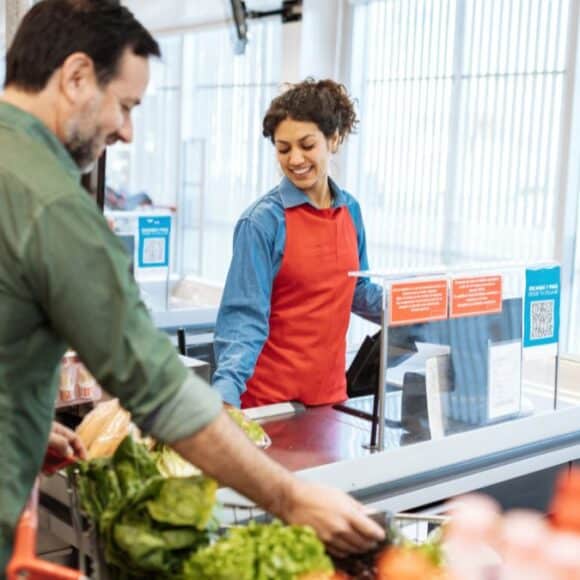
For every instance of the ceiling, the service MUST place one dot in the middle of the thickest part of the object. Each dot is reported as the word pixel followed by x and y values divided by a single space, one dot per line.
pixel 168 14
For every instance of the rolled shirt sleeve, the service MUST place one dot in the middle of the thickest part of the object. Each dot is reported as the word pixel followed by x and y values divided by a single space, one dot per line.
pixel 80 273
pixel 242 325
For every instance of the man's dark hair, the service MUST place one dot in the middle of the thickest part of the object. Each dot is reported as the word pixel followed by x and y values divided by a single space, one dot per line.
pixel 54 29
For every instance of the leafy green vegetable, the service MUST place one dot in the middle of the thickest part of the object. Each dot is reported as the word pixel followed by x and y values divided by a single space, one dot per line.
pixel 148 524
pixel 141 544
pixel 98 486
pixel 260 552
pixel 230 558
pixel 133 465
pixel 184 502
pixel 171 464
pixel 251 428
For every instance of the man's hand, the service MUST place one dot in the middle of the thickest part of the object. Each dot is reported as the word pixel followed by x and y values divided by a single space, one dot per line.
pixel 64 442
pixel 338 519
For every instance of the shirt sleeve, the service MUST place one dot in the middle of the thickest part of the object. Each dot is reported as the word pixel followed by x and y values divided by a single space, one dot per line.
pixel 242 325
pixel 368 297
pixel 79 273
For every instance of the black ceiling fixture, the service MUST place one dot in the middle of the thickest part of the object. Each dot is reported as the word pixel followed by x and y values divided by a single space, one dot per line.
pixel 290 11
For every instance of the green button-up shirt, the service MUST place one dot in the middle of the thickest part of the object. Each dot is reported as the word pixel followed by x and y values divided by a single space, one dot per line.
pixel 65 280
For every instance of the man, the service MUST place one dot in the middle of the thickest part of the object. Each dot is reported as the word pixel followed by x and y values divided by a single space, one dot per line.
pixel 75 71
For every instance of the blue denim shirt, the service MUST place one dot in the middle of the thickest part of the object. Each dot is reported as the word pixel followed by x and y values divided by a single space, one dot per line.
pixel 243 319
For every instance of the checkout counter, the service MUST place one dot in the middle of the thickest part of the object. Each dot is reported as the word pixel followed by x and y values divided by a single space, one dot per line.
pixel 473 405
pixel 328 446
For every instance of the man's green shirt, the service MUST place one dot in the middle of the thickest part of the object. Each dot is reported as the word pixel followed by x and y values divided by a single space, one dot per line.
pixel 65 281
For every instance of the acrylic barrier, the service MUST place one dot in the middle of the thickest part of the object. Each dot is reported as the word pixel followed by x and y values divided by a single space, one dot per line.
pixel 460 349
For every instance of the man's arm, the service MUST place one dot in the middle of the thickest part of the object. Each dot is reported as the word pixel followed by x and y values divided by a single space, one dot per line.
pixel 221 451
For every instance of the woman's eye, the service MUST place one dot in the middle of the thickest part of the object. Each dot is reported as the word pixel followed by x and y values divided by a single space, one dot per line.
pixel 283 151
pixel 307 147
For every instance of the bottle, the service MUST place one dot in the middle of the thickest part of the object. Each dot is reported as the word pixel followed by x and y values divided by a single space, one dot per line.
pixel 68 377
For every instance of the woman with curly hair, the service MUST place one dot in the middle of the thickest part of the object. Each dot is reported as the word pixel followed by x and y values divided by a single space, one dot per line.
pixel 281 327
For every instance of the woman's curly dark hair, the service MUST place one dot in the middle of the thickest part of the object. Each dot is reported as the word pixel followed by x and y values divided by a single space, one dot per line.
pixel 325 103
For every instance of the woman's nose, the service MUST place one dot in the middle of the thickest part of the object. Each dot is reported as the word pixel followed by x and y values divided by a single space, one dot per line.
pixel 295 157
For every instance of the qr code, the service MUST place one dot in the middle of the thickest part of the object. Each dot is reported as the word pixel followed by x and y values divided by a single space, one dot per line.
pixel 542 319
pixel 154 251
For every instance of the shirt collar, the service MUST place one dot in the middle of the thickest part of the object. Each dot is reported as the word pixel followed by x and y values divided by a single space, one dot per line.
pixel 292 196
pixel 23 122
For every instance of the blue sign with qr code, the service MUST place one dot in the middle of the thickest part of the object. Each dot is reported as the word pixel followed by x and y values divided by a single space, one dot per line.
pixel 542 306
pixel 154 234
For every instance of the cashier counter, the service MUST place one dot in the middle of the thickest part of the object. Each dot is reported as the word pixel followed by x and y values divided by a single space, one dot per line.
pixel 511 451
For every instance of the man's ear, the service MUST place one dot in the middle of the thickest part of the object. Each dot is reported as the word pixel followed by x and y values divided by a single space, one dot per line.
pixel 77 77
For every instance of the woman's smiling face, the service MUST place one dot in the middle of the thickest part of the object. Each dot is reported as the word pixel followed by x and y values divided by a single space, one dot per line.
pixel 304 153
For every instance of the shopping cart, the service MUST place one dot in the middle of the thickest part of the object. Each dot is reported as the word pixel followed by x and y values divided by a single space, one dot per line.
pixel 417 527
pixel 24 562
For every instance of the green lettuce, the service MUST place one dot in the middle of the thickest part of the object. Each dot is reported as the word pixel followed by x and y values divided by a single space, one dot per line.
pixel 184 501
pixel 148 524
pixel 98 486
pixel 133 465
pixel 140 543
pixel 171 464
pixel 260 552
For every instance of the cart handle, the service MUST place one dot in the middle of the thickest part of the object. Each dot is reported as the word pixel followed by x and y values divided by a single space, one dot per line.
pixel 24 563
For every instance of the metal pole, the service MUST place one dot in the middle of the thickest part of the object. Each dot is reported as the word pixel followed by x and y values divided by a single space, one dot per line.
pixel 15 10
pixel 382 374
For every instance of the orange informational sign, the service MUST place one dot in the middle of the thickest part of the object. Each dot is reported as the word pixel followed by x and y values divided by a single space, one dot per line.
pixel 477 295
pixel 418 302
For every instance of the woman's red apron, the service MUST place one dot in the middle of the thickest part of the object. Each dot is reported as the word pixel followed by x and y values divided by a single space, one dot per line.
pixel 303 358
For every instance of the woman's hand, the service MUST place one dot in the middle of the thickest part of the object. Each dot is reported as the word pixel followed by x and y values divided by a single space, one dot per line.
pixel 64 442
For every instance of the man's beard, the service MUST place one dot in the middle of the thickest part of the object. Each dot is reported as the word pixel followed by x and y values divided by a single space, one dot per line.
pixel 82 136
pixel 83 150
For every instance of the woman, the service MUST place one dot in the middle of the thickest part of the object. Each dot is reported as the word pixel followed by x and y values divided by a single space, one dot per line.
pixel 281 328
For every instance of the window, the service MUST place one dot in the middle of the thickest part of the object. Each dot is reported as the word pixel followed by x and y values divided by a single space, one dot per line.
pixel 227 162
pixel 197 147
pixel 459 150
